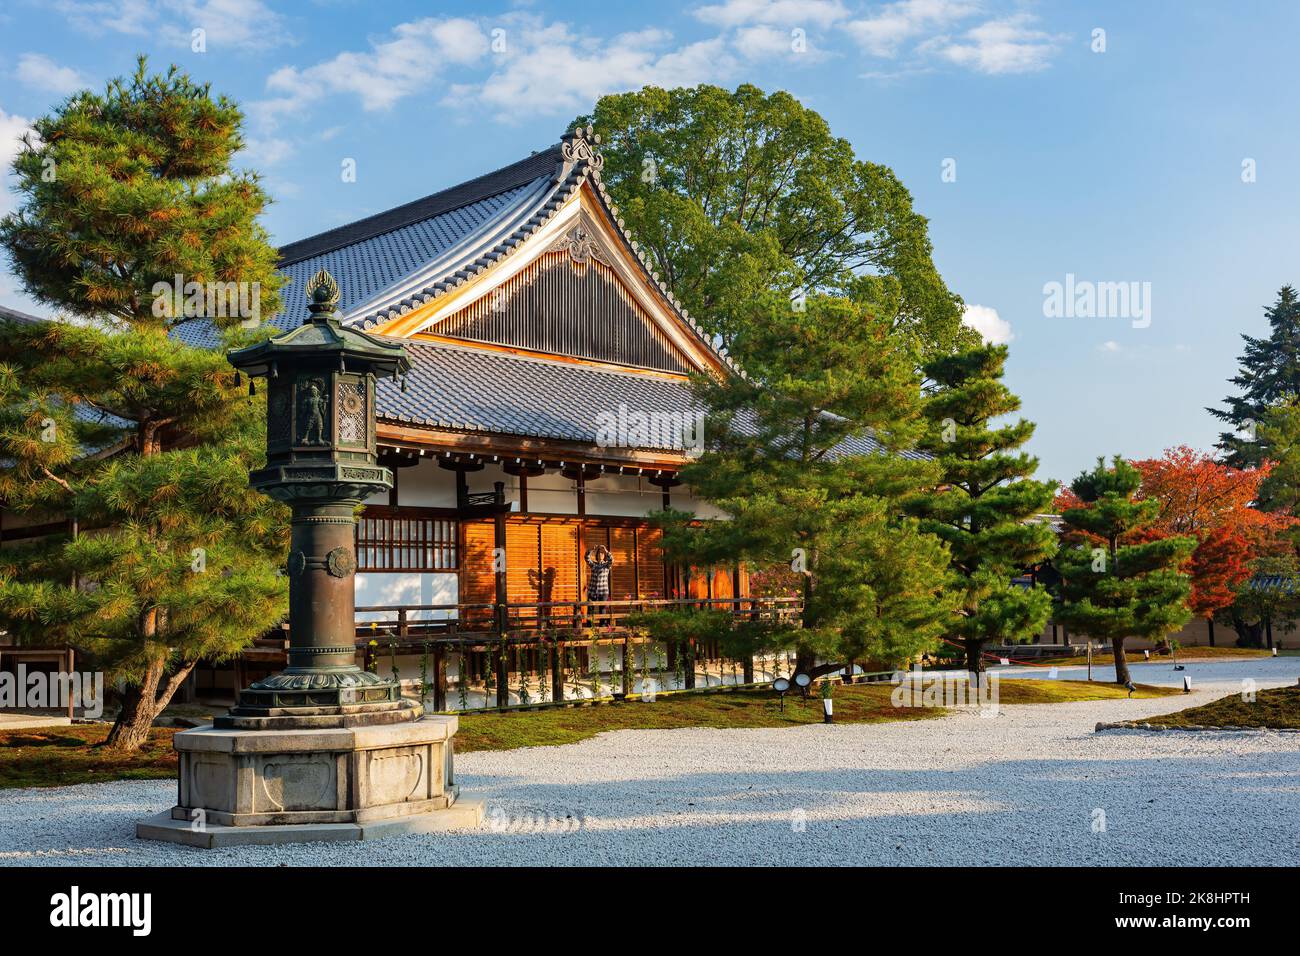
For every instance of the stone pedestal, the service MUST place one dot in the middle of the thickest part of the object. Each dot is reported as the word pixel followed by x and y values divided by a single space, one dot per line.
pixel 239 786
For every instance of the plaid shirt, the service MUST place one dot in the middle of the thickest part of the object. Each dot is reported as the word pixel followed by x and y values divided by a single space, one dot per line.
pixel 598 579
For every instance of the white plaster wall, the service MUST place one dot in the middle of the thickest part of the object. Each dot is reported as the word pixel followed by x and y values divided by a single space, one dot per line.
pixel 404 587
pixel 426 485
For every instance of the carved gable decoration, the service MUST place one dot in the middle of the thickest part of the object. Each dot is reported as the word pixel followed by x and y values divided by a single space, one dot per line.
pixel 569 301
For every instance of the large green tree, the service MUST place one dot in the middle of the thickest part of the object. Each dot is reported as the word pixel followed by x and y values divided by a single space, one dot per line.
pixel 986 501
pixel 1115 582
pixel 821 491
pixel 739 193
pixel 1268 375
pixel 107 420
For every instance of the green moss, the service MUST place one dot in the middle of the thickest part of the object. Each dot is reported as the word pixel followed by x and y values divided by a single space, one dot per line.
pixel 1277 708
pixel 62 756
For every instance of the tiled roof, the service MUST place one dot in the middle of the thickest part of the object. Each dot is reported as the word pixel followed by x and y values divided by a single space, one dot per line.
pixel 469 389
pixel 540 164
pixel 371 264
pixel 13 315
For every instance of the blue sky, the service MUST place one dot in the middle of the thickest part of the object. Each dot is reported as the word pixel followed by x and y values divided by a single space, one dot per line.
pixel 1128 164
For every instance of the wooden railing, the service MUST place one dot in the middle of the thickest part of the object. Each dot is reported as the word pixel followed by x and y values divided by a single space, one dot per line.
pixel 494 641
pixel 417 623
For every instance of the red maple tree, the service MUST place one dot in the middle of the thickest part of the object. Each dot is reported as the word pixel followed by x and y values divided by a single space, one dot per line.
pixel 1203 497
pixel 1213 502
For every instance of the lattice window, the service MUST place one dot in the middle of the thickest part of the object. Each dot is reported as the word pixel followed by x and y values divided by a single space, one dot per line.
pixel 389 540
pixel 352 412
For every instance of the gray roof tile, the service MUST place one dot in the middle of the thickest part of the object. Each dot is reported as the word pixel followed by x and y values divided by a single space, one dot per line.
pixel 469 389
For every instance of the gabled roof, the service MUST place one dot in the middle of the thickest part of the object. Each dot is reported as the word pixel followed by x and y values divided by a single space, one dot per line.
pixel 371 254
pixel 576 163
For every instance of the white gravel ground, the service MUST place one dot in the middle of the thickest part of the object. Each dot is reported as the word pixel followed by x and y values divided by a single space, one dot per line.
pixel 1026 787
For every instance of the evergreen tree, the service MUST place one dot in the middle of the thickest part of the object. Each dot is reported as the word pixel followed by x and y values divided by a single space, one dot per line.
pixel 106 419
pixel 734 193
pixel 985 503
pixel 1279 431
pixel 1269 374
pixel 817 491
pixel 1114 585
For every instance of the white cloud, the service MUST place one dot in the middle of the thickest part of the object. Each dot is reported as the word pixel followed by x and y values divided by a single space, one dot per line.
pixel 993 329
pixel 42 73
pixel 228 24
pixel 1110 345
pixel 884 33
pixel 559 72
pixel 407 62
pixel 260 153
pixel 788 13
pixel 12 129
pixel 1009 45
pixel 554 71
pixel 764 42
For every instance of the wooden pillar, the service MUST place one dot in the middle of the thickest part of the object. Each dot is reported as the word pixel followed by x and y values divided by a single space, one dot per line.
pixel 72 666
pixel 440 677
pixel 1210 622
pixel 557 670
pixel 502 665
pixel 523 493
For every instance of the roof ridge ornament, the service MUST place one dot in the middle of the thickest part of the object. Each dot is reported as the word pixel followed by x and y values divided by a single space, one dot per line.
pixel 579 147
pixel 322 294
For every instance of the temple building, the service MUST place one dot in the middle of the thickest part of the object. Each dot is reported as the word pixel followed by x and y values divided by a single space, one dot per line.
pixel 548 409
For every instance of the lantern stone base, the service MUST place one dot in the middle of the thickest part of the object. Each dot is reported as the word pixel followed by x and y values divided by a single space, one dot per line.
pixel 305 785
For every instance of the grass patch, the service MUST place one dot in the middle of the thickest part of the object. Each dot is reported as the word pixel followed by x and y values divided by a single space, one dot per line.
pixel 1104 657
pixel 1068 691
pixel 854 704
pixel 1277 708
pixel 62 756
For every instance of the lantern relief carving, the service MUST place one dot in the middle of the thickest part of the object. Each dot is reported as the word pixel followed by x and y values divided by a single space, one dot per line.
pixel 313 411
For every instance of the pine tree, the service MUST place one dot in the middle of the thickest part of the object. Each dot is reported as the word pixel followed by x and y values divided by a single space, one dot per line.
pixel 1269 375
pixel 796 457
pixel 107 420
pixel 1114 585
pixel 1279 430
pixel 985 504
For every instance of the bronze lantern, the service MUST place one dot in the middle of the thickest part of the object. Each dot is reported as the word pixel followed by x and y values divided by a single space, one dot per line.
pixel 321 460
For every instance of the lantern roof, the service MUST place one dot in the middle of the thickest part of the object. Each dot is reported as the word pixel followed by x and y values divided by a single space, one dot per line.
pixel 323 336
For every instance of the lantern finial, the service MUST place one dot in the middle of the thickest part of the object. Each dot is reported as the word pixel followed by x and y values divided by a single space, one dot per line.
pixel 322 293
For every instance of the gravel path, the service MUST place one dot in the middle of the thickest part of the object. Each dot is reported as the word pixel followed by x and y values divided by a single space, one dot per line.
pixel 1026 787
